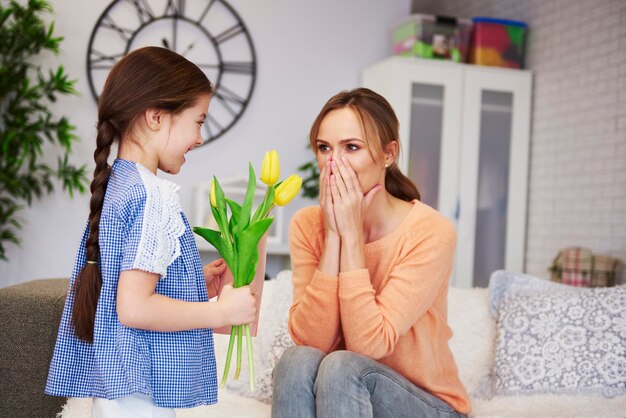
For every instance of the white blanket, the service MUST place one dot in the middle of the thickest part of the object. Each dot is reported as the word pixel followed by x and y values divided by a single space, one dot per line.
pixel 472 344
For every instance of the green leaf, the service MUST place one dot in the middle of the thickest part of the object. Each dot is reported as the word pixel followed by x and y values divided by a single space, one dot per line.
pixel 216 240
pixel 267 203
pixel 220 213
pixel 246 207
pixel 235 209
pixel 248 253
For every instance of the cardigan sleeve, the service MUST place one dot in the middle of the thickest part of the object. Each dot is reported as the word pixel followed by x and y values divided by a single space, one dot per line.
pixel 371 323
pixel 314 313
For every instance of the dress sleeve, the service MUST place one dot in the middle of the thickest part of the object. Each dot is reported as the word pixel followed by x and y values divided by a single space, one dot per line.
pixel 152 228
pixel 372 324
pixel 314 313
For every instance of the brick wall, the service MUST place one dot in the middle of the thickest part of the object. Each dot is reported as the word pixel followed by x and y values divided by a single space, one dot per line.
pixel 577 184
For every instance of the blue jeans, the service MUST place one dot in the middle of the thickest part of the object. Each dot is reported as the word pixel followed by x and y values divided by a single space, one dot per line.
pixel 308 384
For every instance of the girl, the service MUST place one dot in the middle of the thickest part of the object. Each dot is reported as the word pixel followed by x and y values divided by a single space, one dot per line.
pixel 135 330
pixel 371 266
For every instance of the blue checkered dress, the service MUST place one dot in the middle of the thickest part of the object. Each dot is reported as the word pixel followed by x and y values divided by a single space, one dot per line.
pixel 177 369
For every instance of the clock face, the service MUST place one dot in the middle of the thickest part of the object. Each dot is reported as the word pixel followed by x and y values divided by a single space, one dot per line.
pixel 209 33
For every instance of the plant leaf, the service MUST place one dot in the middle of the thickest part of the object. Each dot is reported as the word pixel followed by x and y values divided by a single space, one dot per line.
pixel 220 214
pixel 266 204
pixel 246 207
pixel 248 253
pixel 215 239
pixel 235 209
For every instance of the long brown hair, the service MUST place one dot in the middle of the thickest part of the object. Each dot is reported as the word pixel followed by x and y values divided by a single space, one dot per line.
pixel 380 126
pixel 147 78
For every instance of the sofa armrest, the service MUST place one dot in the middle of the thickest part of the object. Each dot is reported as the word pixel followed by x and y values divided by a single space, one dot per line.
pixel 29 319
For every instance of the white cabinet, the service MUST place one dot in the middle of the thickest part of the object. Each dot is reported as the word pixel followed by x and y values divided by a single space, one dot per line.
pixel 464 134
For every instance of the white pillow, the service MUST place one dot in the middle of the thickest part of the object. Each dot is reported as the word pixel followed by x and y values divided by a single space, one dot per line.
pixel 473 334
pixel 566 342
pixel 504 283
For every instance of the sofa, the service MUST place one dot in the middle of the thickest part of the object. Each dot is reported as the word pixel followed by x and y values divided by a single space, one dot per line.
pixel 483 347
pixel 30 315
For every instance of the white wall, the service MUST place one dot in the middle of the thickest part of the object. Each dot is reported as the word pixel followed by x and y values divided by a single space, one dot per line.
pixel 306 51
pixel 577 187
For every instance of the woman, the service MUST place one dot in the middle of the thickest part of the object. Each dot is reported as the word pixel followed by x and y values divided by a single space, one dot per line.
pixel 371 266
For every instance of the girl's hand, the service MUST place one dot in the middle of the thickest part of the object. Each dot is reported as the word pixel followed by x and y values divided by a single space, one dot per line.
pixel 326 200
pixel 214 275
pixel 238 306
pixel 349 203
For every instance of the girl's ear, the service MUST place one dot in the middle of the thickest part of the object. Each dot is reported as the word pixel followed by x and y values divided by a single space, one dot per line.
pixel 391 152
pixel 153 119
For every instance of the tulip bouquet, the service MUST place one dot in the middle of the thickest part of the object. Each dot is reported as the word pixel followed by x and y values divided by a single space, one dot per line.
pixel 239 235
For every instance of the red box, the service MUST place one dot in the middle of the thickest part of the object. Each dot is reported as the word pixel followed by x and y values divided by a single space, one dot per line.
pixel 498 42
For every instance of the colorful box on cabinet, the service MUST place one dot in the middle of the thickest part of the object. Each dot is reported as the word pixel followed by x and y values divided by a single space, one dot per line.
pixel 435 37
pixel 498 42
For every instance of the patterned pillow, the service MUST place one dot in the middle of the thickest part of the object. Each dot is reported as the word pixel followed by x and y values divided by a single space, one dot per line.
pixel 503 283
pixel 569 342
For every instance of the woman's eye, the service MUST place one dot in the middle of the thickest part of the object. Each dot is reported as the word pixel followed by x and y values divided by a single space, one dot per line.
pixel 352 147
pixel 322 148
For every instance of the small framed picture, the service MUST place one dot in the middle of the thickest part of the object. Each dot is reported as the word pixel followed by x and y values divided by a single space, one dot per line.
pixel 235 189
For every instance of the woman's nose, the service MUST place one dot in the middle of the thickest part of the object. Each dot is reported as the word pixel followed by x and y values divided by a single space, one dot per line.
pixel 337 154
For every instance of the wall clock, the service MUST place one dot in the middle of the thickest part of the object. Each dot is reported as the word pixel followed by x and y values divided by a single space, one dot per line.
pixel 207 32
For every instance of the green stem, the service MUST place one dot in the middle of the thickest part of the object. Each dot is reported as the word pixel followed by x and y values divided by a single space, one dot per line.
pixel 268 211
pixel 231 343
pixel 239 346
pixel 250 357
pixel 257 212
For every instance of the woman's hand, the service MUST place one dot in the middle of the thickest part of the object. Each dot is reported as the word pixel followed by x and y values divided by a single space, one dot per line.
pixel 326 200
pixel 213 276
pixel 349 203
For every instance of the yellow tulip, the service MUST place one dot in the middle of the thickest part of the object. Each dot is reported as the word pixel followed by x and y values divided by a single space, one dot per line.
pixel 212 195
pixel 270 170
pixel 287 190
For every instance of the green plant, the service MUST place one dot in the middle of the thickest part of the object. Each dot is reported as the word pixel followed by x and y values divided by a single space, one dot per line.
pixel 26 122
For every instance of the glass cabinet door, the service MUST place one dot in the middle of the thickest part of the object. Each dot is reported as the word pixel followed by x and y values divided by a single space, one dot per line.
pixel 427 98
pixel 493 181
pixel 464 132
pixel 424 145
pixel 494 151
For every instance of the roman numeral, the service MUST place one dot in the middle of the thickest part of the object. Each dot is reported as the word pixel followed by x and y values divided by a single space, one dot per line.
pixel 210 120
pixel 238 67
pixel 234 30
pixel 206 10
pixel 144 12
pixel 227 95
pixel 101 61
pixel 226 105
pixel 124 33
pixel 175 8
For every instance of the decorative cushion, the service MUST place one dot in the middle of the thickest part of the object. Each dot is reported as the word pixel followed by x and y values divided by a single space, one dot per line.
pixel 566 342
pixel 504 283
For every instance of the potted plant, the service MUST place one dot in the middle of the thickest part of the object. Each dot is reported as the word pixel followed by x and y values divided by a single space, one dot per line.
pixel 26 122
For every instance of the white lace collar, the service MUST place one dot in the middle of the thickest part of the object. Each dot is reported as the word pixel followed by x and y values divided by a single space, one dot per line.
pixel 162 224
pixel 167 184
